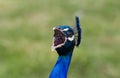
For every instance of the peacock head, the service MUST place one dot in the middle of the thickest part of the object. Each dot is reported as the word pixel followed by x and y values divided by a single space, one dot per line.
pixel 65 38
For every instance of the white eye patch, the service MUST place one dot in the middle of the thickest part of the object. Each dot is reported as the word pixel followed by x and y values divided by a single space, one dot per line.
pixel 71 38
pixel 66 29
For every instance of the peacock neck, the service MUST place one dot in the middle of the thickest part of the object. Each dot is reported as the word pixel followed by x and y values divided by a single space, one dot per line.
pixel 61 67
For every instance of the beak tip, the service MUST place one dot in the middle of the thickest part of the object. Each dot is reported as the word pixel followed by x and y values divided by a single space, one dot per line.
pixel 53 48
pixel 53 28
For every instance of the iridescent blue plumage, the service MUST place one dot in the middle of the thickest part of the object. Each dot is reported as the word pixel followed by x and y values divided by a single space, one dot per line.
pixel 61 67
pixel 64 43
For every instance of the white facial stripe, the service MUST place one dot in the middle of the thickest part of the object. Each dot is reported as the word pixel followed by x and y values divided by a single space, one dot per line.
pixel 71 38
pixel 66 29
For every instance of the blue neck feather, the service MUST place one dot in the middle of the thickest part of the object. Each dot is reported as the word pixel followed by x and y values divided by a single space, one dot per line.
pixel 61 67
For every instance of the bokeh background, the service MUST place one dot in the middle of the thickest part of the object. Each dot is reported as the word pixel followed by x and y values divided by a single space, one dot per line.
pixel 26 37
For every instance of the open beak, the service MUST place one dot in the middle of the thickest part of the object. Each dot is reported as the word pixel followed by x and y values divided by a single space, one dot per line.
pixel 59 39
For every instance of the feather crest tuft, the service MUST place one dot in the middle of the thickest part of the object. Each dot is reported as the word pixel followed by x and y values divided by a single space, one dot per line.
pixel 77 31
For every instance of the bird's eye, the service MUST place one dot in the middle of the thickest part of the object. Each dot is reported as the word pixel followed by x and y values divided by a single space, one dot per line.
pixel 70 34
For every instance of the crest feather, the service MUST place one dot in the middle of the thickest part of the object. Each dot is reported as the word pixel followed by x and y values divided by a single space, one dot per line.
pixel 77 31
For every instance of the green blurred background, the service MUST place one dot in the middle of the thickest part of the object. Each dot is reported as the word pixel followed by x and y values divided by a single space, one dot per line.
pixel 26 37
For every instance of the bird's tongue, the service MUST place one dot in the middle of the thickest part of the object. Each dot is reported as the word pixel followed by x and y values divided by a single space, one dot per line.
pixel 59 39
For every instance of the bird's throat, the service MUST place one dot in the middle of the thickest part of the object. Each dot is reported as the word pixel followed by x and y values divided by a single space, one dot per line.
pixel 61 67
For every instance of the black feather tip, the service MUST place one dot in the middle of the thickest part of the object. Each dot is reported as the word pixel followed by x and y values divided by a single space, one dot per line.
pixel 78 31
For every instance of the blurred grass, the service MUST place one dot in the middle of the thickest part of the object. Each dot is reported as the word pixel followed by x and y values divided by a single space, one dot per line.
pixel 26 37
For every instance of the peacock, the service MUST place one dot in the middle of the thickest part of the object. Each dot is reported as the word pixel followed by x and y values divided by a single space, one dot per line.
pixel 64 40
